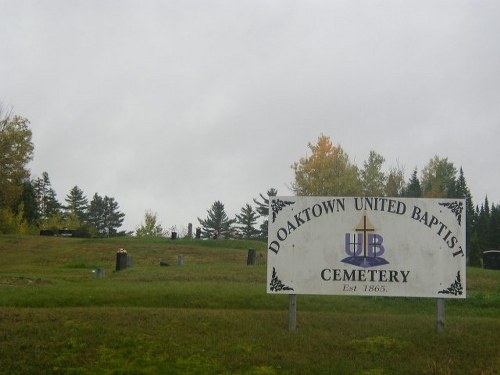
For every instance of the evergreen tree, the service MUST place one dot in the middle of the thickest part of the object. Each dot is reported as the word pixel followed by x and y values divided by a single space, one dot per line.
pixel 29 204
pixel 262 208
pixel 217 224
pixel 413 188
pixel 474 253
pixel 77 204
pixel 495 227
pixel 463 192
pixel 246 222
pixel 46 197
pixel 96 214
pixel 483 226
pixel 104 216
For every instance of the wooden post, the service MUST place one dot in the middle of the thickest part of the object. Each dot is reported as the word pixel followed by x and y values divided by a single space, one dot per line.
pixel 292 313
pixel 441 313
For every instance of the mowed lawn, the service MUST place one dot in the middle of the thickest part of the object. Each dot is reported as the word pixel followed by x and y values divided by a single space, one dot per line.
pixel 212 315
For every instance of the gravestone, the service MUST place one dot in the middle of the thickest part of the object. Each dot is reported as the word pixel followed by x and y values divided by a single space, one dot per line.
pixel 190 230
pixel 121 259
pixel 491 259
pixel 251 257
pixel 130 261
pixel 100 273
pixel 180 260
pixel 173 236
pixel 198 233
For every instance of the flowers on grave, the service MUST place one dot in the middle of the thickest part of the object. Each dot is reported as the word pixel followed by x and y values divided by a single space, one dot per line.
pixel 121 251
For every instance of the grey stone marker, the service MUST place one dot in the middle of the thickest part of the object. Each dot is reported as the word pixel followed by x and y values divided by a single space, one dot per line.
pixel 100 273
pixel 180 260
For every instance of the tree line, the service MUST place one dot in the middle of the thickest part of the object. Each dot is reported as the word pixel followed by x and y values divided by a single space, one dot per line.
pixel 328 171
pixel 29 205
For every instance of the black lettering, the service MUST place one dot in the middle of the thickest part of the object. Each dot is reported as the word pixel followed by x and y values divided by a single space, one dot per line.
pixel 401 208
pixel 361 275
pixel 349 276
pixel 433 221
pixel 424 218
pixel 441 227
pixel 383 200
pixel 356 205
pixel 329 205
pixel 298 220
pixel 393 276
pixel 460 251
pixel 315 212
pixel 285 234
pixel 405 275
pixel 336 275
pixel 452 242
pixel 416 213
pixel 323 274
pixel 274 246
pixel 391 208
pixel 306 211
pixel 382 275
pixel 291 227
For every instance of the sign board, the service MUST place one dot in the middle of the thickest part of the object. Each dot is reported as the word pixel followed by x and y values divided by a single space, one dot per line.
pixel 411 247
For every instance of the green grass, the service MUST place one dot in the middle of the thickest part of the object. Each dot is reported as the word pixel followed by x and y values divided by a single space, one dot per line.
pixel 212 316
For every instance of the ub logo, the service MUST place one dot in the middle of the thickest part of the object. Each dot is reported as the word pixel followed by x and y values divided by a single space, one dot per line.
pixel 364 247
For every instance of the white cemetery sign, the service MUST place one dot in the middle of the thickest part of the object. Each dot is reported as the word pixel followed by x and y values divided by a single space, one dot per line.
pixel 367 246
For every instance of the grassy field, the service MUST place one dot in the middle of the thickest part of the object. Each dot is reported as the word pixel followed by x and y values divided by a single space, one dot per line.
pixel 212 316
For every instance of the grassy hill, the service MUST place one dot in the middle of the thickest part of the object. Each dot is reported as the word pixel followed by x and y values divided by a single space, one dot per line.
pixel 212 316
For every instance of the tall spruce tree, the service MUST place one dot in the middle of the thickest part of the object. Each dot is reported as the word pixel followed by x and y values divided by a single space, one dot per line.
pixel 413 188
pixel 77 204
pixel 47 202
pixel 246 221
pixel 217 224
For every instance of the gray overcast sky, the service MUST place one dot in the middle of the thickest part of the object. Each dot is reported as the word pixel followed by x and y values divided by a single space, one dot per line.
pixel 170 105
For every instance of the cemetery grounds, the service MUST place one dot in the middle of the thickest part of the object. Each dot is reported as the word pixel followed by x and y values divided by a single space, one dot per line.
pixel 212 315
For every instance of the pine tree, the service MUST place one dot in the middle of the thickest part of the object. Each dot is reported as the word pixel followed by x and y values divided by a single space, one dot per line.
pixel 29 203
pixel 463 192
pixel 46 197
pixel 246 222
pixel 263 210
pixel 474 252
pixel 217 224
pixel 413 188
pixel 77 203
pixel 104 216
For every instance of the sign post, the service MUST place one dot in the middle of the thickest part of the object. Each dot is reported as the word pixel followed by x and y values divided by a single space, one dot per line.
pixel 367 246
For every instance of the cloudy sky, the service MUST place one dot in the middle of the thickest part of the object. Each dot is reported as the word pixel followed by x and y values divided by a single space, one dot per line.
pixel 169 106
